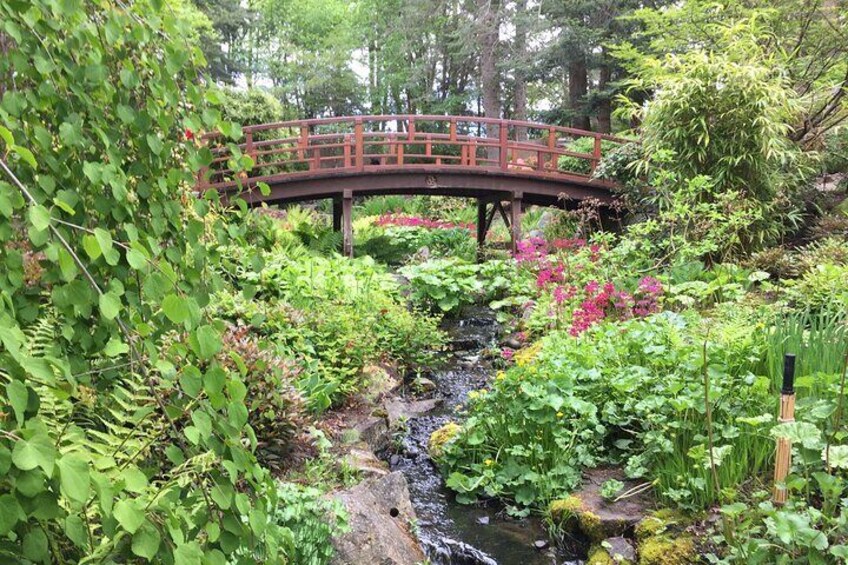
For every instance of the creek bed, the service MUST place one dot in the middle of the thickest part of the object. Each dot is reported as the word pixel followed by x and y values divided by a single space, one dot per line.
pixel 452 533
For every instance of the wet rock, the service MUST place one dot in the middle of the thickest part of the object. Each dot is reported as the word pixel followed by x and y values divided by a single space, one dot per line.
pixel 447 550
pixel 374 431
pixel 540 543
pixel 465 343
pixel 512 343
pixel 483 520
pixel 398 411
pixel 587 512
pixel 365 462
pixel 379 512
pixel 612 551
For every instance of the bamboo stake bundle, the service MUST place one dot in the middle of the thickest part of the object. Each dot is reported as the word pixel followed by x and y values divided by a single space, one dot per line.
pixel 783 458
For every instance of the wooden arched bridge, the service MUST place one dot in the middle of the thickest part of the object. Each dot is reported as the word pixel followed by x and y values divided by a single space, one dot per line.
pixel 492 160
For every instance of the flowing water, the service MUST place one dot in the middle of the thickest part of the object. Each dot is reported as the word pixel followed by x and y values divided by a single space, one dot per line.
pixel 451 533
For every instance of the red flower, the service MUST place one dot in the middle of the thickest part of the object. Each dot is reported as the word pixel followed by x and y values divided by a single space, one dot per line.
pixel 189 134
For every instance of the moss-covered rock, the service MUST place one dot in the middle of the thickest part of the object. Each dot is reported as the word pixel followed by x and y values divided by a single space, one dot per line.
pixel 665 550
pixel 612 551
pixel 440 438
pixel 570 511
pixel 658 522
pixel 599 556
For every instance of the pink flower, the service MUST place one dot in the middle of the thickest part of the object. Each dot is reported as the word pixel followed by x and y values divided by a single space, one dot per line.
pixel 507 353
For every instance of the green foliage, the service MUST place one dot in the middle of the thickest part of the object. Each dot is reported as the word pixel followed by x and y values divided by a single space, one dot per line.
pixel 821 287
pixel 720 166
pixel 251 107
pixel 129 440
pixel 584 145
pixel 610 489
pixel 326 317
pixel 450 284
pixel 393 245
pixel 312 521
pixel 574 406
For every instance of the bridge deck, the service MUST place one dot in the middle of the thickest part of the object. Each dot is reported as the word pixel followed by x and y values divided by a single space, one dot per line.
pixel 489 159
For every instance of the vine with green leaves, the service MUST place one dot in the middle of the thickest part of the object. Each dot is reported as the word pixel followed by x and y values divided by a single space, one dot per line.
pixel 121 435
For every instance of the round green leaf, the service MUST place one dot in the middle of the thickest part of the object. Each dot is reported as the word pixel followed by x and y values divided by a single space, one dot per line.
pixel 128 514
pixel 145 542
pixel 75 480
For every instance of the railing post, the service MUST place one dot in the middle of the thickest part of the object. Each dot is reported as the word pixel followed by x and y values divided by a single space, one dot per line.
pixel 399 150
pixel 346 150
pixel 552 140
pixel 453 129
pixel 360 144
pixel 472 152
pixel 596 154
pixel 248 143
pixel 504 132
pixel 428 147
pixel 316 158
pixel 303 143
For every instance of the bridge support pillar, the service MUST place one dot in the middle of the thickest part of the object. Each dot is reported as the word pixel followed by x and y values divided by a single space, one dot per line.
pixel 482 224
pixel 515 220
pixel 347 223
pixel 337 213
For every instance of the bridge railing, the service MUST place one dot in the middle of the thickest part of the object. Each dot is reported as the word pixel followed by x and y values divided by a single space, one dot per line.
pixel 392 142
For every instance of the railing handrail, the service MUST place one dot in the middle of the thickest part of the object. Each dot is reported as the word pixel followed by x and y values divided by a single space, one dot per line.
pixel 377 118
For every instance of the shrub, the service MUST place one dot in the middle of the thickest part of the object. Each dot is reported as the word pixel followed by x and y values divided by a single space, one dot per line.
pixel 275 407
pixel 585 145
pixel 821 287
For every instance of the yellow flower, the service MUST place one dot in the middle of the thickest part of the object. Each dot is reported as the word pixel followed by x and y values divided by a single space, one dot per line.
pixel 560 414
pixel 488 462
pixel 501 375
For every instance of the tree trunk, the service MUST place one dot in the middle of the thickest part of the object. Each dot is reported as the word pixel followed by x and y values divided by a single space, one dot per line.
pixel 605 103
pixel 487 39
pixel 578 84
pixel 520 58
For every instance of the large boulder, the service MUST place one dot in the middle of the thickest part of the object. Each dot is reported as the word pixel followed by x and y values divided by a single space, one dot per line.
pixel 379 515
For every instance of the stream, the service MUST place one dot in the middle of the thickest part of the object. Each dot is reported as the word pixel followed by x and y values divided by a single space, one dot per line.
pixel 452 533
